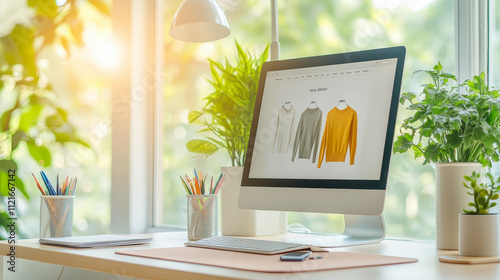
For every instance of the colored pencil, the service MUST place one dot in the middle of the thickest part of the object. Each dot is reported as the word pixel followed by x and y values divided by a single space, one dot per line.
pixel 198 185
pixel 57 185
pixel 47 183
pixel 38 184
pixel 66 188
pixel 217 188
pixel 185 185
pixel 211 185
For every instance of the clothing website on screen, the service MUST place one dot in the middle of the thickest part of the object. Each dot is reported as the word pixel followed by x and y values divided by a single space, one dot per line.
pixel 326 122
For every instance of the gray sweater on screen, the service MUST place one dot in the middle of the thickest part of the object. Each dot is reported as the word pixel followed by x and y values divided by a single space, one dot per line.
pixel 307 135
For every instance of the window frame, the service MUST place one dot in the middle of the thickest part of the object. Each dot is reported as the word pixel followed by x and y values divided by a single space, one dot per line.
pixel 135 86
pixel 471 38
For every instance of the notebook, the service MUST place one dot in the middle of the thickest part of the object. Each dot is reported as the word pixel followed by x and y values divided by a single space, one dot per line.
pixel 95 241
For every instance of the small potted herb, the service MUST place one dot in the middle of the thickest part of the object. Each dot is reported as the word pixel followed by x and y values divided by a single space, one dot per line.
pixel 478 228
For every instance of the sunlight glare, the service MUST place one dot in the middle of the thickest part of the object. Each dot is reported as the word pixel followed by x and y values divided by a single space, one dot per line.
pixel 90 96
pixel 106 53
pixel 418 5
pixel 414 5
pixel 184 116
pixel 180 133
pixel 411 205
pixel 60 3
pixel 204 51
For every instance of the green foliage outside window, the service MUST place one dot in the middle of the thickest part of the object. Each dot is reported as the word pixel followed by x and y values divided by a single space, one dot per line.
pixel 31 117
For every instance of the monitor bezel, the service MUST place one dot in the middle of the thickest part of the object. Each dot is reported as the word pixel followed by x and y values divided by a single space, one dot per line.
pixel 324 60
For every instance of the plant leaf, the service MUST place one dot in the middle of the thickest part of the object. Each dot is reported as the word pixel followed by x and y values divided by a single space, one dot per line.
pixel 40 154
pixel 101 6
pixel 194 116
pixel 30 117
pixel 16 139
pixel 202 147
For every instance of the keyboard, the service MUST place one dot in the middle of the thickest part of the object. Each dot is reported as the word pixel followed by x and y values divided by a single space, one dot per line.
pixel 240 244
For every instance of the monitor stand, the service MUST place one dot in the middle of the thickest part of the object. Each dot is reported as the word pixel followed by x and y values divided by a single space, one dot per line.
pixel 359 230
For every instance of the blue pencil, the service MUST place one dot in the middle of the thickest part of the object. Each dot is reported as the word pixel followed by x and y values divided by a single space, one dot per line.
pixel 47 183
pixel 196 175
pixel 50 184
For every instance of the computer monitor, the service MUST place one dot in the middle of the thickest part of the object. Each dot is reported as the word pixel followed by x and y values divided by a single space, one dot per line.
pixel 321 139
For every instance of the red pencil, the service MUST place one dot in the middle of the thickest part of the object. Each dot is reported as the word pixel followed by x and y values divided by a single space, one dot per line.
pixel 211 185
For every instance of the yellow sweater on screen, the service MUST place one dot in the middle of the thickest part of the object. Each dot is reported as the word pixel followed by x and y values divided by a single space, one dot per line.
pixel 341 131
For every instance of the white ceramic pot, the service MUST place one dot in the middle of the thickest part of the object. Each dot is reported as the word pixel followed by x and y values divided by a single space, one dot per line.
pixel 478 235
pixel 451 199
pixel 243 222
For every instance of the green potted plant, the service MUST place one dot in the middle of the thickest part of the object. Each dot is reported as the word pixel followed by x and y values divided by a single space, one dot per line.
pixel 226 120
pixel 478 228
pixel 457 128
pixel 483 193
pixel 228 111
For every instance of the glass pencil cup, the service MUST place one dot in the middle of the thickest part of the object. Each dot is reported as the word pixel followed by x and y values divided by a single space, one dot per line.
pixel 202 216
pixel 56 215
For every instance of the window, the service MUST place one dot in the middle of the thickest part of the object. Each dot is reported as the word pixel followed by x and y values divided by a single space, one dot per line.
pixel 307 29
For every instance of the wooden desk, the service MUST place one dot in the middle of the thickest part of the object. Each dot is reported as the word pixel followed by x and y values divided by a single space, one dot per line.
pixel 105 260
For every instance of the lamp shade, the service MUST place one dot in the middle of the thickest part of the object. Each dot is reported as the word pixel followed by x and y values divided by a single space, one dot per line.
pixel 199 21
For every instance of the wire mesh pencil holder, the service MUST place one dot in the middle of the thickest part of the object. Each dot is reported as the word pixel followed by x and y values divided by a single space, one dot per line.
pixel 202 216
pixel 56 215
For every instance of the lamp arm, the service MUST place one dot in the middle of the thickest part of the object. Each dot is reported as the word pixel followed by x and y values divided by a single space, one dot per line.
pixel 275 45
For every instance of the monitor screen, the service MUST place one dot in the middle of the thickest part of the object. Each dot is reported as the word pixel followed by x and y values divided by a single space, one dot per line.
pixel 325 122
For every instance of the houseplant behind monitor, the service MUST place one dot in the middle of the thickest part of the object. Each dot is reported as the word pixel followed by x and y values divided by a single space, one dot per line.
pixel 457 128
pixel 227 118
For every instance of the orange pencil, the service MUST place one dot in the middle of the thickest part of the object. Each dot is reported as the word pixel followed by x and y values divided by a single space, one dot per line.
pixel 192 182
pixel 196 182
pixel 64 188
pixel 197 185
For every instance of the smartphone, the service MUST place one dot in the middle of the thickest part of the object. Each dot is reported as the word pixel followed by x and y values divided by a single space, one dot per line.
pixel 295 256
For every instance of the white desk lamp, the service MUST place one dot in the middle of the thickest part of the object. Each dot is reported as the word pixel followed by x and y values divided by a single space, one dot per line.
pixel 199 21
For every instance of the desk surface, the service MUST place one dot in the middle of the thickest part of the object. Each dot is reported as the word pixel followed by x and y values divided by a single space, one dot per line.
pixel 105 260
